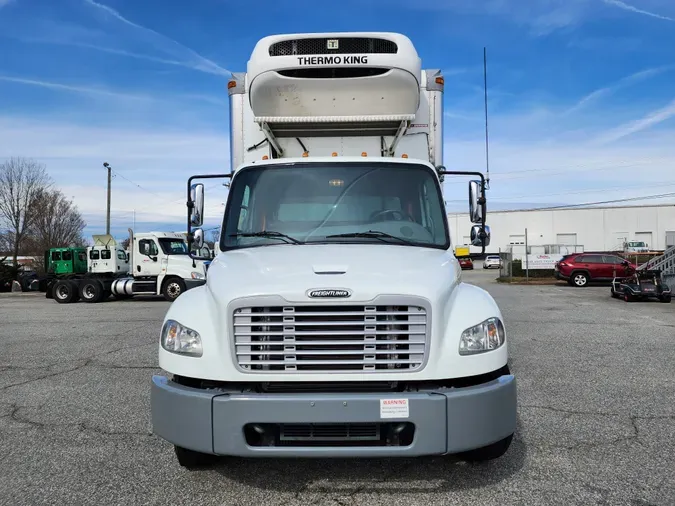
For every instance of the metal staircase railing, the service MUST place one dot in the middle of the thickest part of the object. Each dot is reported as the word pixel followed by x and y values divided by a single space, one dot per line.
pixel 665 263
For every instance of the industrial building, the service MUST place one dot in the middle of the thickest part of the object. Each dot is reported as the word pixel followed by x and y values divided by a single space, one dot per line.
pixel 587 228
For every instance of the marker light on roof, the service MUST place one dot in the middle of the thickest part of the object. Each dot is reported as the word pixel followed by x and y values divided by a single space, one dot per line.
pixel 336 182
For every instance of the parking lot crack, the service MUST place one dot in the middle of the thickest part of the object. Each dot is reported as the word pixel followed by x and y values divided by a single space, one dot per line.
pixel 47 376
pixel 84 363
pixel 570 411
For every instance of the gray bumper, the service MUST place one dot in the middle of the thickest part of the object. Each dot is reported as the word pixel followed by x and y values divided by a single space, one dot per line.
pixel 447 421
pixel 193 283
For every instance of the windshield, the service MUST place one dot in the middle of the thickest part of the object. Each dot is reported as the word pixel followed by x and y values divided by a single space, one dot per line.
pixel 636 244
pixel 173 246
pixel 311 202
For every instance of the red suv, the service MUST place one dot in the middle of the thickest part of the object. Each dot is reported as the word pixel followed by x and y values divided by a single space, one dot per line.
pixel 580 268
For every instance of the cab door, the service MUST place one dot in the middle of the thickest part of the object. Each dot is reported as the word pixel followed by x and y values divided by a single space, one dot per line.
pixel 146 259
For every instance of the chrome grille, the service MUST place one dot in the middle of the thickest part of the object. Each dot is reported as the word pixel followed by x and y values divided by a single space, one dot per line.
pixel 346 45
pixel 319 338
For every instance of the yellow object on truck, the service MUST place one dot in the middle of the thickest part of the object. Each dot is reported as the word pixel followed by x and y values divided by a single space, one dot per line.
pixel 462 251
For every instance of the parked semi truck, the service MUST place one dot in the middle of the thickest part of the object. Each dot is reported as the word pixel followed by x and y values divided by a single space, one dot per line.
pixel 157 263
pixel 335 321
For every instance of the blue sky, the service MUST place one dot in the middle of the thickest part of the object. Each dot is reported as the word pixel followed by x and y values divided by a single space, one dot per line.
pixel 581 95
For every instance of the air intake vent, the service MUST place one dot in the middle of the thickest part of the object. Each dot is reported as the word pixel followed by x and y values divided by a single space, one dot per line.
pixel 333 73
pixel 346 45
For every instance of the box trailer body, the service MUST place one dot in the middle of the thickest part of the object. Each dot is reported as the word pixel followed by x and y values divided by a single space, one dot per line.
pixel 334 321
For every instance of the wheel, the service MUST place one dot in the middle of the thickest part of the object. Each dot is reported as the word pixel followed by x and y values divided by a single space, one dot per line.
pixel 666 299
pixel 579 279
pixel 91 291
pixel 64 291
pixel 173 287
pixel 613 293
pixel 490 452
pixel 627 298
pixel 191 459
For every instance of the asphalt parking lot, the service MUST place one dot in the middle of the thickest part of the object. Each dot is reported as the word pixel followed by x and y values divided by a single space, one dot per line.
pixel 596 414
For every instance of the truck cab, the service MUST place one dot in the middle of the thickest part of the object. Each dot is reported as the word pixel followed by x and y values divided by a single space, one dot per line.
pixel 334 321
pixel 65 261
pixel 161 265
pixel 106 256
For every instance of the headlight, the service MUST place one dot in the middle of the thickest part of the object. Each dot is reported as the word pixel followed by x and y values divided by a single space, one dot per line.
pixel 180 339
pixel 197 275
pixel 486 336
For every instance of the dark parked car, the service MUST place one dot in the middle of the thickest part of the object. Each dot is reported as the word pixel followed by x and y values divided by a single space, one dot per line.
pixel 578 269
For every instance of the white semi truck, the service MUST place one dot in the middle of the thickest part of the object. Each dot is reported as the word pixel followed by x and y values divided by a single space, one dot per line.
pixel 157 263
pixel 334 321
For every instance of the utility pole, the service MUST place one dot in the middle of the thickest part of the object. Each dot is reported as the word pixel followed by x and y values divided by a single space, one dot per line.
pixel 107 221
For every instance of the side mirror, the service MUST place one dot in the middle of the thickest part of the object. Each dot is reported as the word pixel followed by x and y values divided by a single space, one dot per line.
pixel 478 237
pixel 475 209
pixel 197 198
pixel 198 239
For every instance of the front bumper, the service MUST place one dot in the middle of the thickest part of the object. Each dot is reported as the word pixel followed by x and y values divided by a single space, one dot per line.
pixel 445 421
pixel 193 283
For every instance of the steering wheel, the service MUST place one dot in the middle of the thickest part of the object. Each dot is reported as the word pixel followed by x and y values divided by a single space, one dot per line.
pixel 393 212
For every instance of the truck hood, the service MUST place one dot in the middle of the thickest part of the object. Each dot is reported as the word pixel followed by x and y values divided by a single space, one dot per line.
pixel 185 261
pixel 367 270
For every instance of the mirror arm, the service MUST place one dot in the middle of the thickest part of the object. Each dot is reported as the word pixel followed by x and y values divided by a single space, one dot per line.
pixel 191 204
pixel 482 201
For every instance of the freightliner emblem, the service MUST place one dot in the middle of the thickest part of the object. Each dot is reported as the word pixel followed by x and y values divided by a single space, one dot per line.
pixel 329 293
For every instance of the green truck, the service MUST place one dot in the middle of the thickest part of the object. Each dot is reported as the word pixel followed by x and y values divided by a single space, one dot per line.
pixel 64 261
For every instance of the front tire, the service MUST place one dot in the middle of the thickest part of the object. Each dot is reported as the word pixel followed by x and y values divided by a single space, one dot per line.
pixel 580 279
pixel 666 299
pixel 172 288
pixel 191 459
pixel 490 452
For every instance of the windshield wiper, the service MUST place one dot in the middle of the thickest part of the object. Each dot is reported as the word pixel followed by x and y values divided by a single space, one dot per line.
pixel 372 233
pixel 268 233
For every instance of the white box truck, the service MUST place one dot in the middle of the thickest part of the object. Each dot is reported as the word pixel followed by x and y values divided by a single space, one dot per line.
pixel 334 321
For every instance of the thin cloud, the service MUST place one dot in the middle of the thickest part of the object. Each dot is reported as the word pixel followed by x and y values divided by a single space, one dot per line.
pixel 91 90
pixel 5 2
pixel 632 127
pixel 183 55
pixel 71 88
pixel 627 7
pixel 621 83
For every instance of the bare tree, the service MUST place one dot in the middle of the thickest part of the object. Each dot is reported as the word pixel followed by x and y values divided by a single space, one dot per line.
pixel 21 180
pixel 215 235
pixel 56 223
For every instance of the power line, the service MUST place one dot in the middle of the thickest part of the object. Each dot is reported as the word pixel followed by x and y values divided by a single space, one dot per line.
pixel 590 190
pixel 588 204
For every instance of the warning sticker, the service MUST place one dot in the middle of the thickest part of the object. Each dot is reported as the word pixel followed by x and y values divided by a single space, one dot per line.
pixel 394 408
